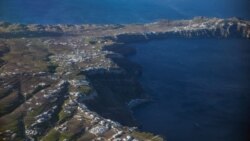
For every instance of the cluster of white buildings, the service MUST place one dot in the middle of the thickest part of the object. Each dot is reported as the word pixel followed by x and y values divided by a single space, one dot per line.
pixel 8 135
pixel 91 57
pixel 31 132
pixel 98 130
pixel 45 116
pixel 77 83
pixel 69 107
pixel 63 127
pixel 34 129
pixel 99 126
pixel 51 95
pixel 4 74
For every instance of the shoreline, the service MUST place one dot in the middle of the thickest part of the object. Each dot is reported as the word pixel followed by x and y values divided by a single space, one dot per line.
pixel 90 59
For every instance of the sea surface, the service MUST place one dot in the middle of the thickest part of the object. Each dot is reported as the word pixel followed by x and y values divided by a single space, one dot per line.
pixel 200 87
pixel 117 11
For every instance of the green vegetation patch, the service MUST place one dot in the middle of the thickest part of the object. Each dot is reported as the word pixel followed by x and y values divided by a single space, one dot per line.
pixel 54 135
pixel 85 89
pixel 146 136
pixel 63 116
pixel 9 103
pixel 29 118
pixel 14 124
pixel 9 124
pixel 86 137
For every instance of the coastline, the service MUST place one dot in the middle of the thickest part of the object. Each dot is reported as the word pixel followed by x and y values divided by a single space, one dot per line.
pixel 90 59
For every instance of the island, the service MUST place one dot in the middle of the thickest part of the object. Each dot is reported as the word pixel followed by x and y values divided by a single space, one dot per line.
pixel 74 82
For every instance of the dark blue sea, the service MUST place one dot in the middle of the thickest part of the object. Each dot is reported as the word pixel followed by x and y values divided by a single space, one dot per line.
pixel 200 88
pixel 117 11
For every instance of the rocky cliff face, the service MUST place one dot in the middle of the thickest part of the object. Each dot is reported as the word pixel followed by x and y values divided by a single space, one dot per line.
pixel 197 27
pixel 116 88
